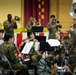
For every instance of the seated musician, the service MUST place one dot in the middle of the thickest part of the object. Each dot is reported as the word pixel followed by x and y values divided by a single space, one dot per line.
pixel 8 49
pixel 58 54
pixel 35 55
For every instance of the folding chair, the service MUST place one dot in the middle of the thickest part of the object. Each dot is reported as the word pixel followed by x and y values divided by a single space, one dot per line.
pixel 3 69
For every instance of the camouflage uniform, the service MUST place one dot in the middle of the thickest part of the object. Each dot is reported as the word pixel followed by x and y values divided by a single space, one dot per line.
pixel 65 42
pixel 56 57
pixel 35 55
pixel 52 30
pixel 8 50
pixel 29 25
pixel 9 27
pixel 72 41
pixel 72 50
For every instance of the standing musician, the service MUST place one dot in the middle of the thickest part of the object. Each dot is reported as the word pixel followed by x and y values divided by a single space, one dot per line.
pixel 51 27
pixel 31 23
pixel 9 25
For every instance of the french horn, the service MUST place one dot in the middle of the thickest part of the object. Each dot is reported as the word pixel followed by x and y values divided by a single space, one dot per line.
pixel 72 10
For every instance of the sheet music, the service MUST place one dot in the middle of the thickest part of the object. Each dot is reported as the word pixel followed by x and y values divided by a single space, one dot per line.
pixel 53 42
pixel 27 48
pixel 37 46
pixel 1 41
pixel 27 59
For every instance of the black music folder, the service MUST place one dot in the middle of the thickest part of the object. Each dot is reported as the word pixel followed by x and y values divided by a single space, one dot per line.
pixel 41 38
pixel 37 28
pixel 46 47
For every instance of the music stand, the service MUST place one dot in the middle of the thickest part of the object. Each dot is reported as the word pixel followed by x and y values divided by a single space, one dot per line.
pixel 41 38
pixel 37 28
pixel 45 47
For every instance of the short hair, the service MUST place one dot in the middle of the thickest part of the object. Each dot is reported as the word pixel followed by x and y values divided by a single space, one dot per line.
pixel 29 32
pixel 9 15
pixel 1 31
pixel 52 16
pixel 7 36
pixel 31 16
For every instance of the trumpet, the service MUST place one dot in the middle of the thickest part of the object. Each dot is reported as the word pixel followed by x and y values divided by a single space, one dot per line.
pixel 13 21
pixel 35 22
pixel 38 24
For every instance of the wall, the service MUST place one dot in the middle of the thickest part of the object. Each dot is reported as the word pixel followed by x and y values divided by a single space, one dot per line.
pixel 60 8
pixel 64 15
pixel 54 8
pixel 14 7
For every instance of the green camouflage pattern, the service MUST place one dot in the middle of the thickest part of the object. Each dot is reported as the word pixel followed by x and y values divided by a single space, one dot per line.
pixel 51 28
pixel 8 50
pixel 29 26
pixel 35 55
pixel 9 27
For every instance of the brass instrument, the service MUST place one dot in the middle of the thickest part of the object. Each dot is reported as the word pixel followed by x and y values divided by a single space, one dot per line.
pixel 72 10
pixel 36 22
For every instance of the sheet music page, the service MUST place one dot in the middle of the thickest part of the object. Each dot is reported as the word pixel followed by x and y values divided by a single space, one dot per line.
pixel 53 42
pixel 37 46
pixel 1 41
pixel 27 48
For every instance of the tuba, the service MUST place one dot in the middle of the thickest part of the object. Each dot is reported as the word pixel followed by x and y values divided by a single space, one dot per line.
pixel 72 10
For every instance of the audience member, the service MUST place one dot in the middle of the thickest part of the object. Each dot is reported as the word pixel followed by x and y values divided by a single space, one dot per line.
pixel 54 69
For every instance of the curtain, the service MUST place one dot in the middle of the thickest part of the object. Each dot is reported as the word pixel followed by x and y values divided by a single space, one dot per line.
pixel 38 9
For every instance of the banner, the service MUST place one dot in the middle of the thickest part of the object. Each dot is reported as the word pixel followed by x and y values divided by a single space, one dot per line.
pixel 38 9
